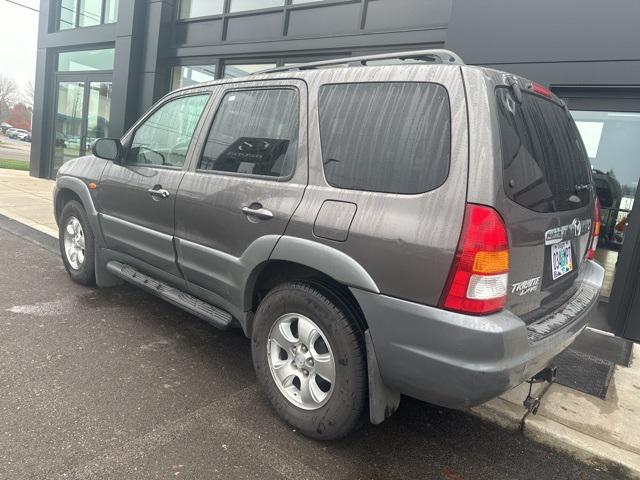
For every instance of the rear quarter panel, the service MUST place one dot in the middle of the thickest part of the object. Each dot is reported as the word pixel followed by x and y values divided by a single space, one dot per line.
pixel 405 242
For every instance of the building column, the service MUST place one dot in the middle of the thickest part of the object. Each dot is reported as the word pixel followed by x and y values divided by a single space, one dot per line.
pixel 130 38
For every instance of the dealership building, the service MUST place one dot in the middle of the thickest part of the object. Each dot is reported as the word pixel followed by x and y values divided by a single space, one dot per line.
pixel 102 63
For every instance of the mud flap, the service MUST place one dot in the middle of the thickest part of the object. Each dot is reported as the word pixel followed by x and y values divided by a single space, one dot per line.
pixel 104 278
pixel 383 402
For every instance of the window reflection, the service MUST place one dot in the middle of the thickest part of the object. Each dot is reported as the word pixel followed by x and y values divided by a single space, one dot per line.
pixel 86 13
pixel 243 5
pixel 233 71
pixel 612 141
pixel 200 8
pixel 86 60
pixel 187 75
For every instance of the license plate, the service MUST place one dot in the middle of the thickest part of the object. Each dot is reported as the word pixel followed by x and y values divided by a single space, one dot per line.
pixel 561 261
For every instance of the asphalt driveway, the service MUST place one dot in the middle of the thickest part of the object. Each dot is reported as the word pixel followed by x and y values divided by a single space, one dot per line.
pixel 118 384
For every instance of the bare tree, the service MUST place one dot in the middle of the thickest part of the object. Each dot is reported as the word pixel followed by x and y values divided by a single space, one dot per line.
pixel 9 93
pixel 28 93
pixel 8 90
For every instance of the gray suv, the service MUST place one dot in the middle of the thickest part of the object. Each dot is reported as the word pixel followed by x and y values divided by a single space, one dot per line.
pixel 377 226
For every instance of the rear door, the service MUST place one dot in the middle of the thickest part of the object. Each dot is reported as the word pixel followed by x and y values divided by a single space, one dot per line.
pixel 548 207
pixel 248 177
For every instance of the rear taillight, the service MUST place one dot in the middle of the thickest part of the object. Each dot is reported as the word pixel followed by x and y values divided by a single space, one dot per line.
pixel 595 230
pixel 477 283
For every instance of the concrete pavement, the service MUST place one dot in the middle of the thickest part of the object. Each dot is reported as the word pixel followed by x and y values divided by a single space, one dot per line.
pixel 598 431
pixel 115 383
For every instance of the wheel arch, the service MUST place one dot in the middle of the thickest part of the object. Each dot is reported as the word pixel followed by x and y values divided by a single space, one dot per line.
pixel 274 272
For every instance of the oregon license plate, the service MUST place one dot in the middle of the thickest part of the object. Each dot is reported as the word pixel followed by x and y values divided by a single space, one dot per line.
pixel 561 261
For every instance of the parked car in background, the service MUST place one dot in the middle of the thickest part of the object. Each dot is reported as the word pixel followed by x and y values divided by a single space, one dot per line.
pixel 61 139
pixel 24 136
pixel 423 229
pixel 15 133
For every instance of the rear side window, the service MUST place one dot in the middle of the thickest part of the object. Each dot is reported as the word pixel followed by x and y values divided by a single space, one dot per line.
pixel 255 132
pixel 385 137
pixel 546 167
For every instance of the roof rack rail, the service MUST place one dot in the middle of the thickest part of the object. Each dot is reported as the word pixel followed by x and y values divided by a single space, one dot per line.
pixel 432 56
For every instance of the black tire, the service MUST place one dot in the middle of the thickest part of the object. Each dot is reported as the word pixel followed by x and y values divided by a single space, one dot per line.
pixel 85 274
pixel 343 411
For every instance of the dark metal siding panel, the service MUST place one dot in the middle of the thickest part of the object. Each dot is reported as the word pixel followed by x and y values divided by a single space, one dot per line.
pixel 575 73
pixel 387 14
pixel 497 31
pixel 325 20
pixel 198 33
pixel 254 27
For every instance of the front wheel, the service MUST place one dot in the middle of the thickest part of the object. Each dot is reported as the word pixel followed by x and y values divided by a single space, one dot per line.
pixel 77 243
pixel 309 357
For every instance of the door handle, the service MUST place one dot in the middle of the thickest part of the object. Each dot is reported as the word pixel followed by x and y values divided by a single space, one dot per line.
pixel 258 212
pixel 158 193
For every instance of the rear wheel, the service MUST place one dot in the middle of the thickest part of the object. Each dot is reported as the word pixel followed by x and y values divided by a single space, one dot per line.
pixel 308 354
pixel 77 243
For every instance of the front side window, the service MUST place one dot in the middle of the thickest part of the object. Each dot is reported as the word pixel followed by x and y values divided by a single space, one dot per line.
pixel 86 13
pixel 385 137
pixel 164 138
pixel 254 132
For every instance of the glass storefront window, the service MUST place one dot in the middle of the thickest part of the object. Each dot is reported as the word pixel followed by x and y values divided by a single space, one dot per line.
pixel 86 13
pixel 612 140
pixel 90 13
pixel 86 60
pixel 200 8
pixel 243 5
pixel 233 71
pixel 68 11
pixel 111 11
pixel 99 110
pixel 187 75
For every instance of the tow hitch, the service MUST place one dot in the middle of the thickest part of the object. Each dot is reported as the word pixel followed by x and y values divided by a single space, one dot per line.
pixel 547 375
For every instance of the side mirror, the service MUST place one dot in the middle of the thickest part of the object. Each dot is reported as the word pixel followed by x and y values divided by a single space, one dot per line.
pixel 108 148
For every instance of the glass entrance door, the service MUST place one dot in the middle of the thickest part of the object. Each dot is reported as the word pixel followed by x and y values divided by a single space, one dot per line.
pixel 82 111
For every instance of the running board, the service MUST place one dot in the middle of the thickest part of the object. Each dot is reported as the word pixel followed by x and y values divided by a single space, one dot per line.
pixel 205 311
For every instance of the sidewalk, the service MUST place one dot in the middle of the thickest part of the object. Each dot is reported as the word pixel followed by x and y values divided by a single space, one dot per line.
pixel 27 200
pixel 602 432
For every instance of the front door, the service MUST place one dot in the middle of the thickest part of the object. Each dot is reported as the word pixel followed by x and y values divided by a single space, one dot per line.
pixel 83 106
pixel 136 197
pixel 247 179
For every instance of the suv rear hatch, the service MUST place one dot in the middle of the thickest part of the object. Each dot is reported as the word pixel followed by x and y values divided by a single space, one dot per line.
pixel 549 204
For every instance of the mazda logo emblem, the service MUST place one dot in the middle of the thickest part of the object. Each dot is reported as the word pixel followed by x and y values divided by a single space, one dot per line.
pixel 577 226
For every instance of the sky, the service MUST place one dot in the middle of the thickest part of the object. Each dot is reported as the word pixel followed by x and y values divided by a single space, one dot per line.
pixel 18 41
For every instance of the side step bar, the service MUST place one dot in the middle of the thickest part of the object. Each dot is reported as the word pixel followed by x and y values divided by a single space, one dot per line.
pixel 205 311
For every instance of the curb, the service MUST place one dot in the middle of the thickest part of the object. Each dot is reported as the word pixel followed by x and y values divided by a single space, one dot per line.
pixel 585 448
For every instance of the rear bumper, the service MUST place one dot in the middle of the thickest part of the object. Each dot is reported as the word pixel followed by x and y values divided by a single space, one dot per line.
pixel 457 360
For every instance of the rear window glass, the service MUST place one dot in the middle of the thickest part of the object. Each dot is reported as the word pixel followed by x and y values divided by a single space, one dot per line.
pixel 385 137
pixel 546 167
